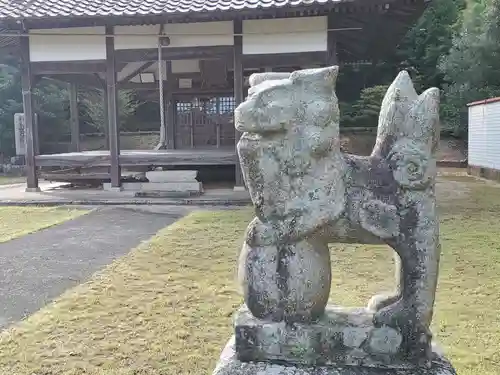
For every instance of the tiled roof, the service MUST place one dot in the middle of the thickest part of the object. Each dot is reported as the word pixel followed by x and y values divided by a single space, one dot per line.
pixel 25 9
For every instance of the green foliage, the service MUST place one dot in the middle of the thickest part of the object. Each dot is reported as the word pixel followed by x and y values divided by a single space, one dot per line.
pixel 365 111
pixel 425 44
pixel 428 41
pixel 50 104
pixel 92 104
pixel 10 103
pixel 472 68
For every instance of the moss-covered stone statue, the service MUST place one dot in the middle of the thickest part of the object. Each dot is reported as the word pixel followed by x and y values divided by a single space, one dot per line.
pixel 307 194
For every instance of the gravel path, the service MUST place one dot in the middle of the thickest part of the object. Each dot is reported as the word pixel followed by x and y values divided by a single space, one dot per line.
pixel 36 268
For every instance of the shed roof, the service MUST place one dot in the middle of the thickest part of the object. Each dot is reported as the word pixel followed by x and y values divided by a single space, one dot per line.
pixel 32 9
pixel 484 101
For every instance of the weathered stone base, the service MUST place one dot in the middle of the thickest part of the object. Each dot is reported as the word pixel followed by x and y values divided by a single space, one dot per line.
pixel 342 336
pixel 230 365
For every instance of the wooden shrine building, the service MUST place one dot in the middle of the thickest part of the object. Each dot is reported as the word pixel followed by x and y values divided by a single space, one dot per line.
pixel 196 55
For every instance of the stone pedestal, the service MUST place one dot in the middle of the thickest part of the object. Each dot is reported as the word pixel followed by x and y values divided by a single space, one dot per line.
pixel 342 336
pixel 229 364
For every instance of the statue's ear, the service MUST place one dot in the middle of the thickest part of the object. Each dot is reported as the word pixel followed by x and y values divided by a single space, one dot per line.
pixel 395 106
pixel 319 76
pixel 257 78
pixel 422 121
pixel 404 114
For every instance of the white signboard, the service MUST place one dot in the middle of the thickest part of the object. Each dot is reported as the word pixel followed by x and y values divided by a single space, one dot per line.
pixel 20 133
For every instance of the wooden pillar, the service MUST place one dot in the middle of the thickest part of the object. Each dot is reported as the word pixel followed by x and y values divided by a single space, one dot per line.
pixel 167 136
pixel 29 114
pixel 331 54
pixel 73 115
pixel 105 112
pixel 114 136
pixel 238 90
pixel 36 134
pixel 169 108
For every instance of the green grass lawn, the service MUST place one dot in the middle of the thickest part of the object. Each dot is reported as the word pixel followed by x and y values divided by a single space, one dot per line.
pixel 166 307
pixel 18 221
pixel 5 180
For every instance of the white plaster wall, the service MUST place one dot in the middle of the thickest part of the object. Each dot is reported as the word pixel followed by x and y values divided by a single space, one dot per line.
pixel 200 34
pixel 285 35
pixel 185 66
pixel 484 135
pixel 75 43
pixel 181 35
pixel 136 37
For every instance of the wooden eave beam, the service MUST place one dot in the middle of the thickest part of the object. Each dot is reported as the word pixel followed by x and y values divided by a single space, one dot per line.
pixel 137 71
pixel 65 67
pixel 284 59
pixel 173 53
pixel 83 80
pixel 176 91
pixel 71 67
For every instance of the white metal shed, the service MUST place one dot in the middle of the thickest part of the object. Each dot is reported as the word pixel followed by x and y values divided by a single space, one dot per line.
pixel 484 136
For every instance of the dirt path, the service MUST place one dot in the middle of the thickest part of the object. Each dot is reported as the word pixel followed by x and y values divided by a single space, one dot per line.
pixel 36 268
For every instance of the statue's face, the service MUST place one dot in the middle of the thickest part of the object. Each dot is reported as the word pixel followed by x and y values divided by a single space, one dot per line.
pixel 280 103
pixel 268 108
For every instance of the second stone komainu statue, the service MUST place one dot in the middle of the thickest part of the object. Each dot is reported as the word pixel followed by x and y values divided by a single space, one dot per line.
pixel 308 194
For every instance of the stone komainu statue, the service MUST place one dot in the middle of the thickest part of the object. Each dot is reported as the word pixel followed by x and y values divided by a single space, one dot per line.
pixel 307 194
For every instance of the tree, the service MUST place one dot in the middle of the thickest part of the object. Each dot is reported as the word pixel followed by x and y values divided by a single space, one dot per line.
pixel 428 41
pixel 50 101
pixel 10 103
pixel 472 68
pixel 365 111
pixel 93 104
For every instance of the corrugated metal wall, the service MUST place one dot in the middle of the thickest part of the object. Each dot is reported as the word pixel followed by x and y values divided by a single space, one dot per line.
pixel 484 135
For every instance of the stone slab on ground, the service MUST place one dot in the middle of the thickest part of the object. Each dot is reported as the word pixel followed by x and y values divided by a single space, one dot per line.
pixel 345 336
pixel 230 365
pixel 181 186
pixel 36 268
pixel 167 194
pixel 171 176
